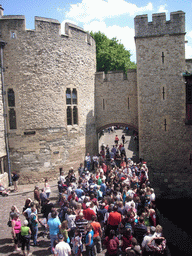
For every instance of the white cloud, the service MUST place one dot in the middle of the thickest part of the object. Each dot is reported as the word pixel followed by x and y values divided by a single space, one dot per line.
pixel 189 34
pixel 162 8
pixel 188 47
pixel 63 25
pixel 89 10
pixel 188 52
pixel 124 34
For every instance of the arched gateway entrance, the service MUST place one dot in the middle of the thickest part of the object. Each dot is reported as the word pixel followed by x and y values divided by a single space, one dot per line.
pixel 106 136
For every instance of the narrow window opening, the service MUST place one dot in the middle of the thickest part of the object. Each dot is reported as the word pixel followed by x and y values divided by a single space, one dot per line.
pixel 89 39
pixel 11 98
pixel 74 96
pixel 103 104
pixel 165 124
pixel 12 119
pixel 69 116
pixel 13 35
pixel 75 115
pixel 128 102
pixel 163 93
pixel 68 96
pixel 163 57
pixel 30 133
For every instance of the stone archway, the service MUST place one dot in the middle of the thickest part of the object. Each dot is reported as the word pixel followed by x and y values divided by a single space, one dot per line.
pixel 133 127
pixel 131 142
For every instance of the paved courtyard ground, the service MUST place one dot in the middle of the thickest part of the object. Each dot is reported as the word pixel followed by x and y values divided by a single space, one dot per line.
pixel 131 145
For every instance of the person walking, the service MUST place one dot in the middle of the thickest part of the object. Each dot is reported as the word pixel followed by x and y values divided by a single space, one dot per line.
pixel 116 140
pixel 47 188
pixel 15 178
pixel 123 139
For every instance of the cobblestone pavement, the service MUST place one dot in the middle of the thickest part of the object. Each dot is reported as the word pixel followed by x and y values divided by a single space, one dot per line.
pixel 130 145
pixel 18 199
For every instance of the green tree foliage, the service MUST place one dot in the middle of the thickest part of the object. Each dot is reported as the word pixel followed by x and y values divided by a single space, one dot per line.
pixel 111 54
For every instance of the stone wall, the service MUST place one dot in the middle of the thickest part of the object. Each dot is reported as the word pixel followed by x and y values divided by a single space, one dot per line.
pixel 163 135
pixel 40 65
pixel 116 99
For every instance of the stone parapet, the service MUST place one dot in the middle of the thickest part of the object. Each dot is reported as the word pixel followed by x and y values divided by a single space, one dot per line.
pixel 45 26
pixel 159 26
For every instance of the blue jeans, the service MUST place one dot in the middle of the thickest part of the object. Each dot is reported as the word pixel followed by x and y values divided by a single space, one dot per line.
pixel 90 250
pixel 88 164
pixel 34 230
pixel 53 238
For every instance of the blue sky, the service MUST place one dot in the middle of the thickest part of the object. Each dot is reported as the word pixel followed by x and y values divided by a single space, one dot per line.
pixel 115 18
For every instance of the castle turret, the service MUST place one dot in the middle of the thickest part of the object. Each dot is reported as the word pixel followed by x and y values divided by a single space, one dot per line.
pixel 160 47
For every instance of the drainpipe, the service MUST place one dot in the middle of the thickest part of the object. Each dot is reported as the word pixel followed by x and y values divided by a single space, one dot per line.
pixel 2 45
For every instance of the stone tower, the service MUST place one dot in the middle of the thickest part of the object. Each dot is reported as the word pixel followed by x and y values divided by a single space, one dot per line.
pixel 163 131
pixel 49 87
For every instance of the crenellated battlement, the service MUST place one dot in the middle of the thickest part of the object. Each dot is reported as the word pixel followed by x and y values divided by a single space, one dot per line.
pixel 17 24
pixel 117 75
pixel 159 26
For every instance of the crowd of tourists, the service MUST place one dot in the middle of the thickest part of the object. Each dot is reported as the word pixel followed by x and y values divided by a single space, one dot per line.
pixel 109 205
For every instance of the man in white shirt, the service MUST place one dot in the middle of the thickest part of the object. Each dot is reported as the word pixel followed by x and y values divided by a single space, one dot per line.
pixel 62 248
pixel 152 196
pixel 146 250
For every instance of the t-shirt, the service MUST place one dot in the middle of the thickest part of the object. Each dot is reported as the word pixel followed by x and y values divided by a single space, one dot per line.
pixel 96 228
pixel 17 227
pixel 114 218
pixel 24 230
pixel 71 220
pixel 81 224
pixel 33 218
pixel 87 237
pixel 62 249
pixel 53 224
pixel 79 192
pixel 88 213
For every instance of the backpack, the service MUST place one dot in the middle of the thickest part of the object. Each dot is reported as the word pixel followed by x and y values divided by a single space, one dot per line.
pixel 113 246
